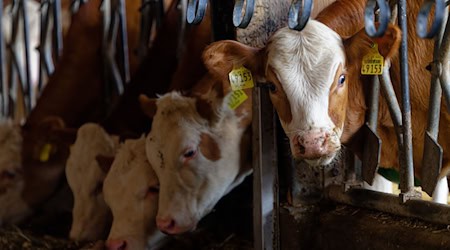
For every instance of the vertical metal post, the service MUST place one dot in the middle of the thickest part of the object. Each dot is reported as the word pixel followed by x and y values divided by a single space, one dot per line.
pixel 28 89
pixel 265 193
pixel 406 165
pixel 123 52
pixel 4 96
pixel 57 29
pixel 432 154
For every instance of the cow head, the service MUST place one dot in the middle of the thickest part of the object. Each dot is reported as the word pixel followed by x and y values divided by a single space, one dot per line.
pixel 195 149
pixel 131 191
pixel 310 73
pixel 85 177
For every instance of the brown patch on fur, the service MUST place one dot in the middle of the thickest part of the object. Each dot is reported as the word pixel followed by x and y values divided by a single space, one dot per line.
pixel 209 148
pixel 345 17
pixel 337 101
pixel 279 98
pixel 220 58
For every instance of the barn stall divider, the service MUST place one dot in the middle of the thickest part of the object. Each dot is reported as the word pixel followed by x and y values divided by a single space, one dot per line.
pixel 287 198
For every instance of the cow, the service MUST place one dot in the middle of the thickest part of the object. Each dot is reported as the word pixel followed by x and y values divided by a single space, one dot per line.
pixel 91 216
pixel 131 192
pixel 319 93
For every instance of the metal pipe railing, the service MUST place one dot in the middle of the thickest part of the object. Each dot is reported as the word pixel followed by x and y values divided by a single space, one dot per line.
pixel 4 89
pixel 432 154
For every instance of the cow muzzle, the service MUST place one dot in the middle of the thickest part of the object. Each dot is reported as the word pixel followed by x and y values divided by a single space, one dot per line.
pixel 316 146
pixel 170 226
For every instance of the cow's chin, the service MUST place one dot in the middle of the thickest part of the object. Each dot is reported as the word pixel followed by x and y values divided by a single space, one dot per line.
pixel 321 161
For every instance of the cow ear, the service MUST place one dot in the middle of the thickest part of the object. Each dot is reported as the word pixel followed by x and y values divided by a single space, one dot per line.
pixel 205 109
pixel 104 162
pixel 221 57
pixel 51 123
pixel 360 44
pixel 148 105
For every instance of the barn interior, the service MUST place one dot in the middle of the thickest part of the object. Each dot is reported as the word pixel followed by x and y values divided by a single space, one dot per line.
pixel 157 124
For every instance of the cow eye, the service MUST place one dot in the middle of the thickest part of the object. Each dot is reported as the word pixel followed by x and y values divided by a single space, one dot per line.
pixel 153 189
pixel 190 153
pixel 341 80
pixel 272 88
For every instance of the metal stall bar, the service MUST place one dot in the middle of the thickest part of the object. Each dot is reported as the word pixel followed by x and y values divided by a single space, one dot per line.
pixel 19 17
pixel 4 90
pixel 415 208
pixel 406 154
pixel 114 25
pixel 444 59
pixel 46 66
pixel 57 29
pixel 432 154
pixel 265 178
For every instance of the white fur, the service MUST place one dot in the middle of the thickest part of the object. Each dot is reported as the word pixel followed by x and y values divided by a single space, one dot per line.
pixel 90 213
pixel 306 63
pixel 126 193
pixel 188 192
pixel 380 184
pixel 440 194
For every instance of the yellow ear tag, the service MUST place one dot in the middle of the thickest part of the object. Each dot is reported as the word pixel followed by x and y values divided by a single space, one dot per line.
pixel 237 98
pixel 372 63
pixel 45 152
pixel 241 78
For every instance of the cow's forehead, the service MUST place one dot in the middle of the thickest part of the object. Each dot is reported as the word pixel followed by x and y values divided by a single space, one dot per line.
pixel 308 59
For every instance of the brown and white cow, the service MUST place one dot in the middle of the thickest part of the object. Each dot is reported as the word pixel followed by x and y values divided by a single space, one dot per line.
pixel 131 192
pixel 91 216
pixel 195 149
pixel 318 91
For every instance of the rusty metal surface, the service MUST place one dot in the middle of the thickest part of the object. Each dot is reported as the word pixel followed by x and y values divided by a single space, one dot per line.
pixel 431 164
pixel 414 208
pixel 371 155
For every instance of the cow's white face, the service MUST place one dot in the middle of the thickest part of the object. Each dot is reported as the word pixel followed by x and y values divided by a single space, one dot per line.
pixel 13 207
pixel 91 216
pixel 310 94
pixel 195 158
pixel 131 191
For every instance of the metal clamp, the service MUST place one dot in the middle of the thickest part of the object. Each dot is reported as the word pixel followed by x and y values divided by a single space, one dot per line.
pixel 299 14
pixel 383 17
pixel 424 13
pixel 239 20
pixel 196 10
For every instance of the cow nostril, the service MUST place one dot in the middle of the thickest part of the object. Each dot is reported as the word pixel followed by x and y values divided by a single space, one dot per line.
pixel 116 244
pixel 302 149
pixel 166 224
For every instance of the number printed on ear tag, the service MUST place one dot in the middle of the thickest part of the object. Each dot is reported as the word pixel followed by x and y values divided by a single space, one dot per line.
pixel 236 99
pixel 241 78
pixel 372 62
